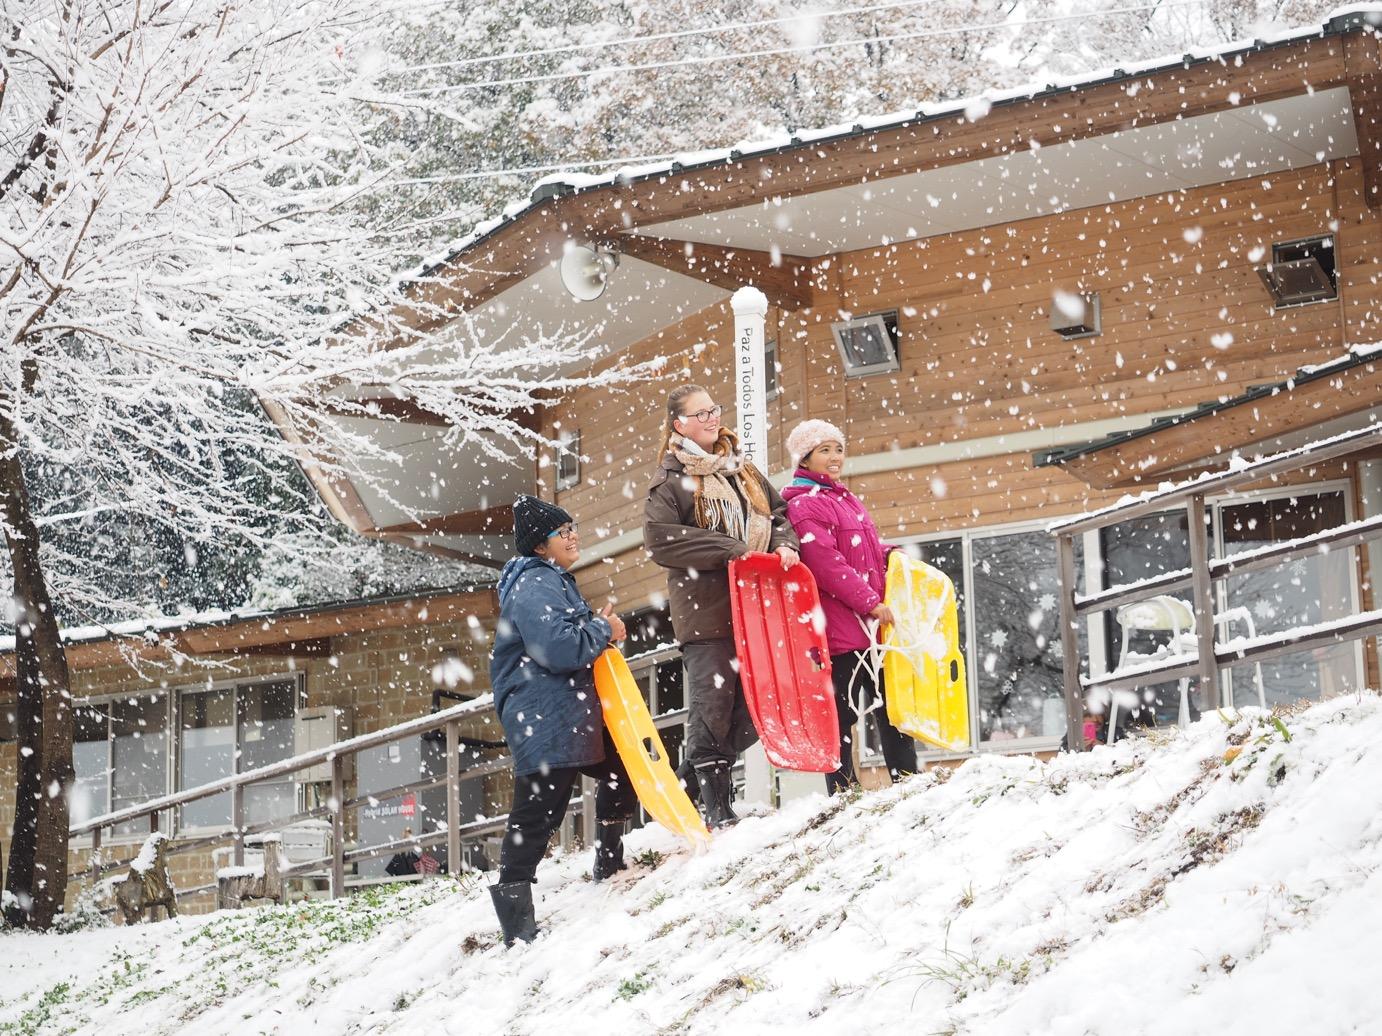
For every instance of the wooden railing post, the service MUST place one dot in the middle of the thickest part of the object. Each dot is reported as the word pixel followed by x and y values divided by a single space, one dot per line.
pixel 1070 644
pixel 453 798
pixel 95 861
pixel 1203 593
pixel 337 826
pixel 237 825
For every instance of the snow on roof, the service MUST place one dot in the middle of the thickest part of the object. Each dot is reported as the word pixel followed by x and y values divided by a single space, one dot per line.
pixel 1353 356
pixel 554 185
pixel 149 628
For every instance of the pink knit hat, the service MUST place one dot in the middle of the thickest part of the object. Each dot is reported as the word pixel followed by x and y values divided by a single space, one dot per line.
pixel 806 436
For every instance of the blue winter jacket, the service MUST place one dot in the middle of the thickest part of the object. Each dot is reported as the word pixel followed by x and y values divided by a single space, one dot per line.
pixel 540 668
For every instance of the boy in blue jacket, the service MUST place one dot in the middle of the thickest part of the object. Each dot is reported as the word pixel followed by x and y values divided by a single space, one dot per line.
pixel 544 691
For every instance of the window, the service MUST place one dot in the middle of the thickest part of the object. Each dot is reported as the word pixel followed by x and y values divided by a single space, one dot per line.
pixel 568 459
pixel 1303 592
pixel 772 371
pixel 1301 272
pixel 868 345
pixel 9 721
pixel 120 754
pixel 228 730
pixel 1016 665
pixel 1134 550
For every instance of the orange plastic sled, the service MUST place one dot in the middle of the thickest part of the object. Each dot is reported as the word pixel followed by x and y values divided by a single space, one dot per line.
pixel 639 746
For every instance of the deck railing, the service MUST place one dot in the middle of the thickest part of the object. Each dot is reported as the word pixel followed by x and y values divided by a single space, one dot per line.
pixel 1204 664
pixel 336 809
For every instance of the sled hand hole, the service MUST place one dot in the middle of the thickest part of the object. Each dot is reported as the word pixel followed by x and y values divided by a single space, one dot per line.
pixel 651 749
pixel 954 671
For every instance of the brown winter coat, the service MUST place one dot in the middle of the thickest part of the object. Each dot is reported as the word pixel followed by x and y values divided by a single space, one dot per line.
pixel 697 560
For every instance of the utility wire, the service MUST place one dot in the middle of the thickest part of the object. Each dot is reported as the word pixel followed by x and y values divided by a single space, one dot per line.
pixel 802 48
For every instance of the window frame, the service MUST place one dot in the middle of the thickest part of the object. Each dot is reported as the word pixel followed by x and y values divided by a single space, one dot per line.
pixel 568 452
pixel 300 692
pixel 111 837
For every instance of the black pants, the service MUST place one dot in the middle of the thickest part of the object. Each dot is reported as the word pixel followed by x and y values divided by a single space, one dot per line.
pixel 718 724
pixel 539 804
pixel 849 674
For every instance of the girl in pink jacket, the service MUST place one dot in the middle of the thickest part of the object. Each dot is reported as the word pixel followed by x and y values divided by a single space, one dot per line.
pixel 840 544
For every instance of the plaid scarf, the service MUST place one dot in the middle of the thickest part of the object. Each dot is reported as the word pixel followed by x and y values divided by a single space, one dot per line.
pixel 718 506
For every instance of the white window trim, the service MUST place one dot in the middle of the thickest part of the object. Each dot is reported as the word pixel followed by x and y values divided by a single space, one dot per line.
pixel 179 829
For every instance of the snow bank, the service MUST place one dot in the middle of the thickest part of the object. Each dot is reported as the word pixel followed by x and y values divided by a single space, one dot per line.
pixel 1223 879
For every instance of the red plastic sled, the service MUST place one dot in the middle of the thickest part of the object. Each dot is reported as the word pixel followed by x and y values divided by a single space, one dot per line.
pixel 784 662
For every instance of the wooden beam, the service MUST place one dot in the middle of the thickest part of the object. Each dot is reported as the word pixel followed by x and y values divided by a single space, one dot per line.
pixel 310 647
pixel 428 547
pixel 1363 60
pixel 388 408
pixel 786 280
pixel 1209 438
pixel 489 520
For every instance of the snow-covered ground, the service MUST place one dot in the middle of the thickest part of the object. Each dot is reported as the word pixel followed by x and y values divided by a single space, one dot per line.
pixel 1224 879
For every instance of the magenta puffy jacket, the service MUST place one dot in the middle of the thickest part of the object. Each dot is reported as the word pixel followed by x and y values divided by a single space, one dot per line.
pixel 841 547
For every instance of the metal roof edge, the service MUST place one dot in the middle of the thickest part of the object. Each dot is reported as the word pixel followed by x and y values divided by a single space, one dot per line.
pixel 1302 376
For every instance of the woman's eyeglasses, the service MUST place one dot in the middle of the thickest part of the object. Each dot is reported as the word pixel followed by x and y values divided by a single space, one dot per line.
pixel 566 532
pixel 704 416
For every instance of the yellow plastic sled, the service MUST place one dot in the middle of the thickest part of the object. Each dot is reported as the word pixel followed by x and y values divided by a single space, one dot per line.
pixel 639 745
pixel 923 667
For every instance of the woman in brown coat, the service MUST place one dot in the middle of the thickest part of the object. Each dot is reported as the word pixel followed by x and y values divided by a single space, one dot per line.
pixel 707 506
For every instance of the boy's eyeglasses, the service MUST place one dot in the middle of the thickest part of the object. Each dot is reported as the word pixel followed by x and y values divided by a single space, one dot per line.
pixel 566 532
pixel 704 416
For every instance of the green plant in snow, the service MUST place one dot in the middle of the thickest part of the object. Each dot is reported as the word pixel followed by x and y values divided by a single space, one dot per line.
pixel 631 987
pixel 29 1023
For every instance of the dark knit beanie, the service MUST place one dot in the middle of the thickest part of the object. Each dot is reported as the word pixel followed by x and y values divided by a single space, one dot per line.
pixel 533 521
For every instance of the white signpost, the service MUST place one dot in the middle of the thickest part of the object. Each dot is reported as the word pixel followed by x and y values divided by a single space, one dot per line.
pixel 750 402
pixel 750 375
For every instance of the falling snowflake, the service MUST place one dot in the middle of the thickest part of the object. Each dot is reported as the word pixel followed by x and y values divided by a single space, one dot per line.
pixel 999 639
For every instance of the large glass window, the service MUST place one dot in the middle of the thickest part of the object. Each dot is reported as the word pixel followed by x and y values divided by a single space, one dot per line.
pixel 231 730
pixel 120 753
pixel 1303 592
pixel 1016 663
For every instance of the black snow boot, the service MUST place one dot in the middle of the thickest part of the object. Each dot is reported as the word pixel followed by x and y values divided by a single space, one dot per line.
pixel 609 850
pixel 513 902
pixel 717 792
pixel 686 775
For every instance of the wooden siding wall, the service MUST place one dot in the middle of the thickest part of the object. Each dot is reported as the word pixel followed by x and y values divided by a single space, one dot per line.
pixel 1175 273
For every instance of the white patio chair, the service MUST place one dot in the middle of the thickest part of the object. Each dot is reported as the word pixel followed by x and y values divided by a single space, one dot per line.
pixel 1165 614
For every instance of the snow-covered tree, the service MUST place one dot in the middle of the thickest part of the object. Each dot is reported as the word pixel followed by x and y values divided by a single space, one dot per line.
pixel 183 246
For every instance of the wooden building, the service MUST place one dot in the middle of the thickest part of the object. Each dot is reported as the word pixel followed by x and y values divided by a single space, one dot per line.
pixel 1016 306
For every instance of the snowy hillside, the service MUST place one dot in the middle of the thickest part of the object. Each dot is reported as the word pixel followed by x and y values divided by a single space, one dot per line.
pixel 1212 881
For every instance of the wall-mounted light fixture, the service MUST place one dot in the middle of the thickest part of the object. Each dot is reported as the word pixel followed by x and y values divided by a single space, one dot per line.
pixel 1075 315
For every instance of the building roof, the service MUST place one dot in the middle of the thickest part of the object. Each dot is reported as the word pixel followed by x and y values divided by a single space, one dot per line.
pixel 1314 400
pixel 299 631
pixel 559 185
